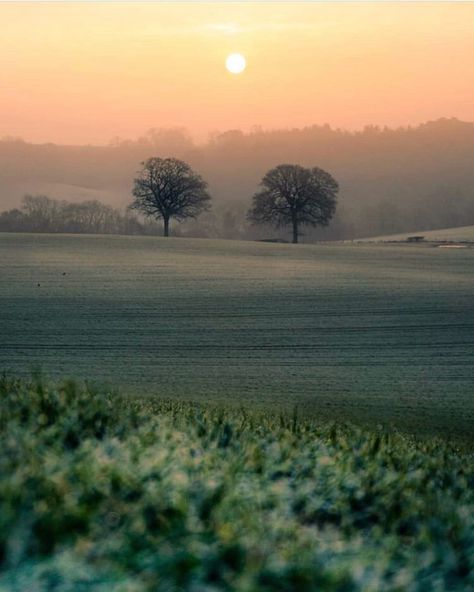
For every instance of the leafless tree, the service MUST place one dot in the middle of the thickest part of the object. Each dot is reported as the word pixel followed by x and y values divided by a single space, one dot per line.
pixel 91 216
pixel 40 213
pixel 43 212
pixel 168 188
pixel 292 194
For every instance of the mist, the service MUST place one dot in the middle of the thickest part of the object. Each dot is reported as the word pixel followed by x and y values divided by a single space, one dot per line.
pixel 391 180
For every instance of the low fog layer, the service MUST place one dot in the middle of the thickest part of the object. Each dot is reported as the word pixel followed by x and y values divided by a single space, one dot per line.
pixel 391 181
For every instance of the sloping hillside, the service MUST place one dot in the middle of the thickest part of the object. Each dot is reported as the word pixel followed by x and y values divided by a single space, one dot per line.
pixel 463 234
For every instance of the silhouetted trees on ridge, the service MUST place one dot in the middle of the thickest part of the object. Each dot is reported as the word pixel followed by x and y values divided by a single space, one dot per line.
pixel 391 180
pixel 168 188
pixel 292 195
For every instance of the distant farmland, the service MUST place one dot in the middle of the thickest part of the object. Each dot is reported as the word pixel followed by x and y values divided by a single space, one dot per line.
pixel 380 333
pixel 464 234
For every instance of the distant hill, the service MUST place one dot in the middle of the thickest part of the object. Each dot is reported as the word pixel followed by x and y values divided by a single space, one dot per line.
pixel 391 180
pixel 463 234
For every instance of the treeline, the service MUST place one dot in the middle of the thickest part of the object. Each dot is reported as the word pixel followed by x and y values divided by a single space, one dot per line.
pixel 40 213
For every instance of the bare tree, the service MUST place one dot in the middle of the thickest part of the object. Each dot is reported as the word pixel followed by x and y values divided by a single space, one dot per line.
pixel 292 194
pixel 168 188
pixel 91 216
pixel 43 212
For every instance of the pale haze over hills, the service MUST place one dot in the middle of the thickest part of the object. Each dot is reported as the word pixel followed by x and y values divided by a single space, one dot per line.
pixel 392 180
pixel 78 74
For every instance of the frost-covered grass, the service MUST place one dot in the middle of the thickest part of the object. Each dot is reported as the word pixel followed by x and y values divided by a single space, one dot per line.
pixel 375 333
pixel 106 493
pixel 463 234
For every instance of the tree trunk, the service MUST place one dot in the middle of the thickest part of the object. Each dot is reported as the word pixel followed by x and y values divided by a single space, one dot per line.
pixel 295 230
pixel 166 226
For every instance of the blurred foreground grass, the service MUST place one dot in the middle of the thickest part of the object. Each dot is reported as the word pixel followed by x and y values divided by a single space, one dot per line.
pixel 104 493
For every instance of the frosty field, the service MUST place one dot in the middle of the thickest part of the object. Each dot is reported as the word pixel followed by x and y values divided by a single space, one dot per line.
pixel 464 234
pixel 370 332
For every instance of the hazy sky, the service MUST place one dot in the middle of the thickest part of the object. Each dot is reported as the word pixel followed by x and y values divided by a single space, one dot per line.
pixel 83 73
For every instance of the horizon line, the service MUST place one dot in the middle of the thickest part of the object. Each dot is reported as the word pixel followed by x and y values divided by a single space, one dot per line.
pixel 116 141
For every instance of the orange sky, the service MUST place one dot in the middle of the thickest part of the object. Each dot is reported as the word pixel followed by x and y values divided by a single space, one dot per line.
pixel 84 73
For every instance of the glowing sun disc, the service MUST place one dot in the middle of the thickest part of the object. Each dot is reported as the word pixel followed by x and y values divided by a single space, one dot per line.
pixel 235 63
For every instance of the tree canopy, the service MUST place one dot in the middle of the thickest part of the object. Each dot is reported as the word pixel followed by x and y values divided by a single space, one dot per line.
pixel 292 194
pixel 168 188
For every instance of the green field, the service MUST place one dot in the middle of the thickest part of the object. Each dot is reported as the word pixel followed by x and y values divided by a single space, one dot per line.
pixel 100 493
pixel 368 332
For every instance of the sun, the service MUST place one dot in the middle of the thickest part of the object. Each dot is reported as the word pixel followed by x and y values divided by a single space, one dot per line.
pixel 235 63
